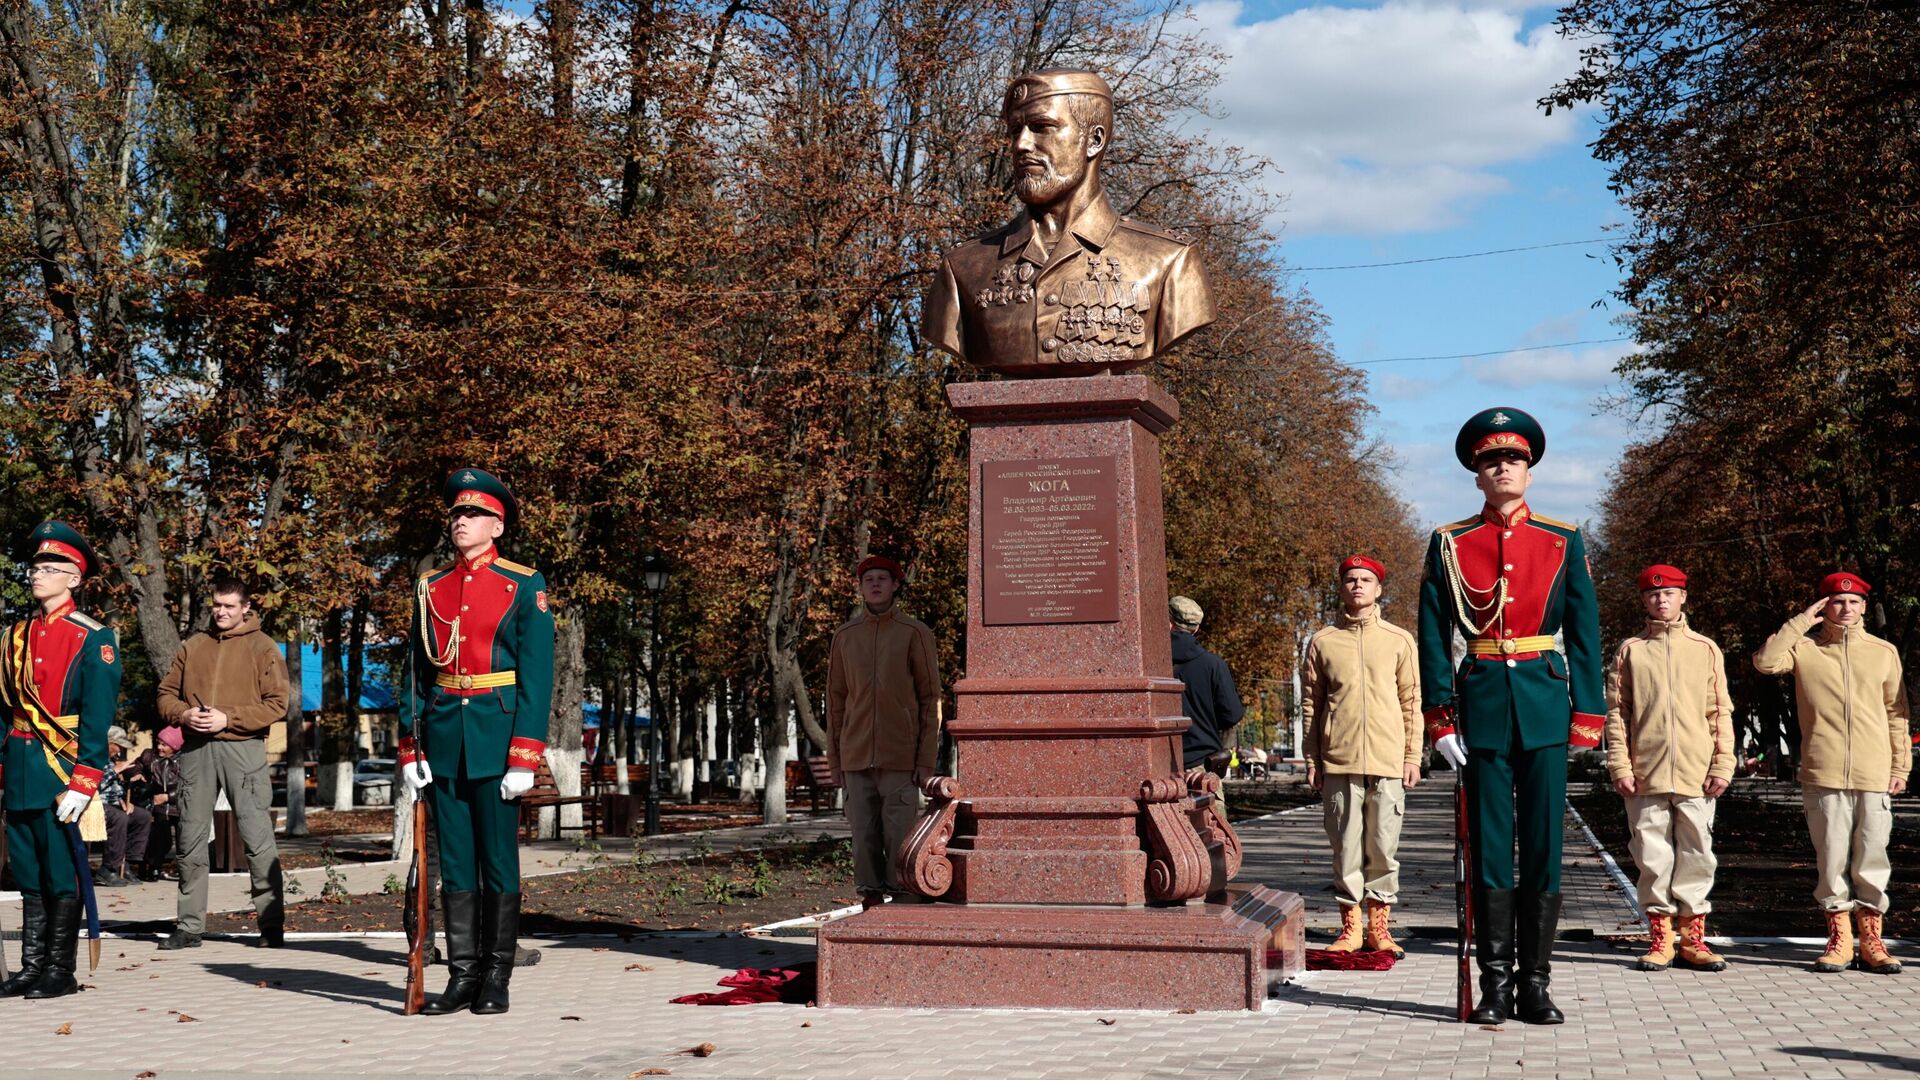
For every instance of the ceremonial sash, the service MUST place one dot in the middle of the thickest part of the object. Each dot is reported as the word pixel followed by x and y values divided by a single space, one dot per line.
pixel 59 743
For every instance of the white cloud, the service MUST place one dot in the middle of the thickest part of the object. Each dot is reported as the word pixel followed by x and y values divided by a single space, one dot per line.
pixel 1387 119
pixel 1580 369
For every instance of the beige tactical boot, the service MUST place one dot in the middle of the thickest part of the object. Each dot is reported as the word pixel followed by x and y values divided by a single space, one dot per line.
pixel 1873 951
pixel 1350 932
pixel 1694 950
pixel 1379 934
pixel 1839 952
pixel 1659 954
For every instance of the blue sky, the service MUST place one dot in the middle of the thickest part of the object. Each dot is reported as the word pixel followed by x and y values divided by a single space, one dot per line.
pixel 1407 131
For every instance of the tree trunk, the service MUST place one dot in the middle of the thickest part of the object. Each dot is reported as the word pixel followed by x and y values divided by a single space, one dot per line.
pixel 296 737
pixel 336 759
pixel 566 750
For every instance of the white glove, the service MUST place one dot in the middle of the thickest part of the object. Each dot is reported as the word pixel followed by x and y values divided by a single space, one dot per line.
pixel 1453 750
pixel 516 783
pixel 416 775
pixel 72 805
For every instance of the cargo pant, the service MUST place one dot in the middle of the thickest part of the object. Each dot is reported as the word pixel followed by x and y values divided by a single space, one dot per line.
pixel 882 806
pixel 1363 816
pixel 1671 837
pixel 240 769
pixel 1850 830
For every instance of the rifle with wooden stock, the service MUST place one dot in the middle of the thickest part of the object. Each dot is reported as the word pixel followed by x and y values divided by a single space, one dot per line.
pixel 418 914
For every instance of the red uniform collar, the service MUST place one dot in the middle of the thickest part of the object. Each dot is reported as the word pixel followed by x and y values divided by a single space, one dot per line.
pixel 485 558
pixel 1519 516
pixel 61 612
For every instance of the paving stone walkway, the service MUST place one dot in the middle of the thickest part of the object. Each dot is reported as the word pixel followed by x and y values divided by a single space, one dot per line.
pixel 598 1007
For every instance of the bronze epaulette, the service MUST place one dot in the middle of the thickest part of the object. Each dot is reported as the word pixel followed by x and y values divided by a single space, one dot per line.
pixel 86 621
pixel 436 571
pixel 1461 524
pixel 518 568
pixel 1555 522
pixel 1154 230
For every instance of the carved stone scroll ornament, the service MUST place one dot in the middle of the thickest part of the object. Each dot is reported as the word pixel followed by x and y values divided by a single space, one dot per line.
pixel 923 864
pixel 1178 867
pixel 1206 783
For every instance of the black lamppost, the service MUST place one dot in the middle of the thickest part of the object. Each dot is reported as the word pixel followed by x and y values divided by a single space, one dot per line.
pixel 654 577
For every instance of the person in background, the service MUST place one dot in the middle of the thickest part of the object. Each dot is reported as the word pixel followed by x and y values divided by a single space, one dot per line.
pixel 155 785
pixel 1211 700
pixel 128 825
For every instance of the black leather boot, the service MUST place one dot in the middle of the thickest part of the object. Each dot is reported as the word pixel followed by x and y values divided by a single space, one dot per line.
pixel 461 911
pixel 33 946
pixel 1539 923
pixel 1493 944
pixel 500 914
pixel 63 943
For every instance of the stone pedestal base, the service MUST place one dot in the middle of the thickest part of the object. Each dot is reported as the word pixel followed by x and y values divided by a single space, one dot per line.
pixel 1201 956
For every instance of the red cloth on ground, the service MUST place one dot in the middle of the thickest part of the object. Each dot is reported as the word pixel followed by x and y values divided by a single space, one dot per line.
pixel 1324 960
pixel 752 986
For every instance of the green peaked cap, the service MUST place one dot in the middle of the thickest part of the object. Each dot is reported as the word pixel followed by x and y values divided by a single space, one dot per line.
pixel 51 540
pixel 1502 428
pixel 480 488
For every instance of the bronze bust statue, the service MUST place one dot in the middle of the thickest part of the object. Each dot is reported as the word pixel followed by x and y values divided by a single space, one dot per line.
pixel 1069 287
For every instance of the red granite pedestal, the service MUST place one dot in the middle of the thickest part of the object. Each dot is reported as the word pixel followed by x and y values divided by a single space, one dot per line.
pixel 1074 864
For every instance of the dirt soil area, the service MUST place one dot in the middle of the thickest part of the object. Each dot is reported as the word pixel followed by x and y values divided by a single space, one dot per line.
pixel 1764 885
pixel 717 892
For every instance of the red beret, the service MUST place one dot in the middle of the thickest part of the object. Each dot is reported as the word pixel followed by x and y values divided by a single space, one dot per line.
pixel 879 562
pixel 1662 576
pixel 1835 584
pixel 1363 562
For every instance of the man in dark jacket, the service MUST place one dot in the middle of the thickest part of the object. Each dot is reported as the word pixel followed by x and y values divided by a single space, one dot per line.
pixel 1212 703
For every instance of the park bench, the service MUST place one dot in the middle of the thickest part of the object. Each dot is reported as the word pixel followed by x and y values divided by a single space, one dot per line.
pixel 814 775
pixel 545 793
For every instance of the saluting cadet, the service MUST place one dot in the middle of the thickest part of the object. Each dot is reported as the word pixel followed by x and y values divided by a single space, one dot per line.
pixel 1508 580
pixel 479 689
pixel 1670 753
pixel 1854 757
pixel 60 680
pixel 1360 698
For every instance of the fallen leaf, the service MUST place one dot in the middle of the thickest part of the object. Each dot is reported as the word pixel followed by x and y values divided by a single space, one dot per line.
pixel 602 948
pixel 63 1029
pixel 262 984
pixel 703 1050
pixel 185 1019
pixel 638 967
pixel 569 1018
pixel 808 1023
pixel 145 1075
pixel 1107 1022
pixel 1184 1012
pixel 651 1070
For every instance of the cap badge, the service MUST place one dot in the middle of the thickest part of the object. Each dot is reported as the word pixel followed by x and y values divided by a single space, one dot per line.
pixel 1659 579
pixel 1499 419
pixel 1846 584
pixel 466 477
pixel 47 529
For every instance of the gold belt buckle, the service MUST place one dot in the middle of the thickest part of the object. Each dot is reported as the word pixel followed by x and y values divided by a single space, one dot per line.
pixel 466 681
pixel 1507 646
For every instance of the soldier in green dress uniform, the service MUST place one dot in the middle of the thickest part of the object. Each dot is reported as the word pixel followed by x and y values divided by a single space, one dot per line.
pixel 1509 580
pixel 479 689
pixel 60 683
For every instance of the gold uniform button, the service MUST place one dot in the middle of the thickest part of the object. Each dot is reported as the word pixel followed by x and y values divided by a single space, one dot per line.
pixel 469 577
pixel 1513 663
pixel 1507 533
pixel 1509 566
pixel 463 607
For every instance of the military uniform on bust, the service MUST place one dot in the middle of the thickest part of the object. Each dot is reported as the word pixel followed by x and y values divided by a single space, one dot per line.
pixel 1509 580
pixel 60 681
pixel 1855 754
pixel 479 691
pixel 1670 754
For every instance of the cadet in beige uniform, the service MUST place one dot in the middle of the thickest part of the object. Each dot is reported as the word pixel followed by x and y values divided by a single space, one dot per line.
pixel 1360 698
pixel 1854 757
pixel 1670 753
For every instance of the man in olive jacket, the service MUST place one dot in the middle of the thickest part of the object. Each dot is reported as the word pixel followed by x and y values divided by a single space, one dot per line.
pixel 1854 757
pixel 1360 698
pixel 1670 754
pixel 224 690
pixel 883 726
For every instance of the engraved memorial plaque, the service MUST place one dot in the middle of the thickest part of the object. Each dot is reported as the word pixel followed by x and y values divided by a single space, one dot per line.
pixel 1047 541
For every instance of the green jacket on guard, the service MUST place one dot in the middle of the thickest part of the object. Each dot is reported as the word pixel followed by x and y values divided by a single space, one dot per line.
pixel 479 683
pixel 1520 581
